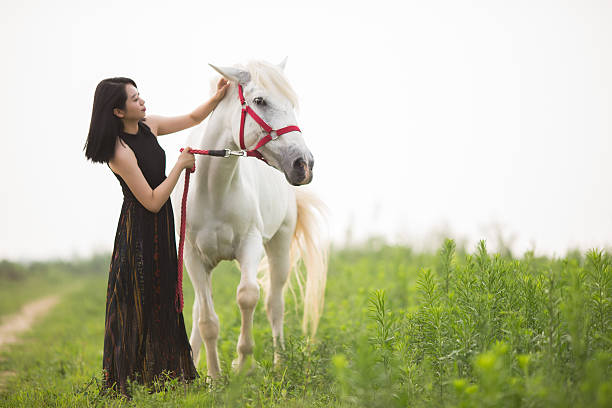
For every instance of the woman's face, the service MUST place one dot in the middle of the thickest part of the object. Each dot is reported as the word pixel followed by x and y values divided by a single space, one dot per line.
pixel 134 105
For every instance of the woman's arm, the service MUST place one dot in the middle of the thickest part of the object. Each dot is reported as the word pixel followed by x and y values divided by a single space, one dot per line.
pixel 161 125
pixel 124 164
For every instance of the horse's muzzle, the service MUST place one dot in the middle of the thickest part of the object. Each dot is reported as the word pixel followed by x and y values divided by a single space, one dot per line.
pixel 300 172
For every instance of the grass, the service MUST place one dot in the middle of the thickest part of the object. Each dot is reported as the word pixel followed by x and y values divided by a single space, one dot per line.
pixel 20 284
pixel 400 329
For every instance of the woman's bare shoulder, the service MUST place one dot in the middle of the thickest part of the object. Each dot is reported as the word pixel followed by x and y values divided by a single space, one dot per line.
pixel 123 156
pixel 152 123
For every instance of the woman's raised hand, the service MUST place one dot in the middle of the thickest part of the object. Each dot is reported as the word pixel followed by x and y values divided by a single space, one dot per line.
pixel 222 86
pixel 187 159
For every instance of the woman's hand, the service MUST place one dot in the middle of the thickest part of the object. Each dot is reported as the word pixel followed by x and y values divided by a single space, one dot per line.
pixel 162 126
pixel 222 86
pixel 187 159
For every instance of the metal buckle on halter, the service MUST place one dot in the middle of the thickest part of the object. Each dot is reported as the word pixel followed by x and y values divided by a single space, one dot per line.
pixel 229 153
pixel 273 134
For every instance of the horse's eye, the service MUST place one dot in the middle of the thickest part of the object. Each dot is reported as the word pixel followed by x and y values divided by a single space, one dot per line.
pixel 259 101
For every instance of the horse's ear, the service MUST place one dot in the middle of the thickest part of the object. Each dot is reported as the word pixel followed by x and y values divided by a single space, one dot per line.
pixel 234 74
pixel 282 64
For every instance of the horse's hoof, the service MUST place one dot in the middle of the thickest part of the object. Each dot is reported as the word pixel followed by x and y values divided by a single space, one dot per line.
pixel 214 382
pixel 212 378
pixel 246 366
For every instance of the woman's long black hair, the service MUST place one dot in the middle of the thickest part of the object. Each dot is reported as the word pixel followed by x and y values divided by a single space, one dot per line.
pixel 105 126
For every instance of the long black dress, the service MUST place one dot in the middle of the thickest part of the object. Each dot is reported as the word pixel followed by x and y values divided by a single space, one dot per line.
pixel 144 334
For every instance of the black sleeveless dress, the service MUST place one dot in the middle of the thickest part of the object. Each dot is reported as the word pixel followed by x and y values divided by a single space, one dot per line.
pixel 144 334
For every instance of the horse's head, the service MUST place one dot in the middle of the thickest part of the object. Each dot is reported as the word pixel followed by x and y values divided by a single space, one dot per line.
pixel 268 93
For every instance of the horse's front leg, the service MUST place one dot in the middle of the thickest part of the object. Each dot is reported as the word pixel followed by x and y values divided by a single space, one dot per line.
pixel 205 321
pixel 247 295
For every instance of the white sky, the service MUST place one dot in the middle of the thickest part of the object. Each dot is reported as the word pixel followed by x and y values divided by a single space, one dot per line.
pixel 423 116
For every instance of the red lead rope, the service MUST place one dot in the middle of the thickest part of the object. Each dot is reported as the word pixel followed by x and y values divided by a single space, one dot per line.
pixel 179 283
pixel 272 135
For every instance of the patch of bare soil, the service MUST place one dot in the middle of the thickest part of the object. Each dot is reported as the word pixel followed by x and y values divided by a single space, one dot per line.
pixel 12 326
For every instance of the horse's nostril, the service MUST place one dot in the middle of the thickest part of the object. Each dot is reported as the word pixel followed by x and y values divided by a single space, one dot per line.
pixel 298 164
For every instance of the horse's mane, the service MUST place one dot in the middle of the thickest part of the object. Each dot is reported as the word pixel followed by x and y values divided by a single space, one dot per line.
pixel 270 77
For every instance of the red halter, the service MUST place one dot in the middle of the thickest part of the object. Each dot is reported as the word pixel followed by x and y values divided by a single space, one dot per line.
pixel 272 135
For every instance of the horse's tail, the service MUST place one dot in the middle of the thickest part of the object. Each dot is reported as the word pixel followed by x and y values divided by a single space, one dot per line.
pixel 310 244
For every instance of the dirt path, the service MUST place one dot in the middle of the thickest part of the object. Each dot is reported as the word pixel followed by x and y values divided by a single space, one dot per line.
pixel 12 326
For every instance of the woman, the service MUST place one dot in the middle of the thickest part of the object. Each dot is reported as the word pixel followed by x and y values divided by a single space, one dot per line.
pixel 144 334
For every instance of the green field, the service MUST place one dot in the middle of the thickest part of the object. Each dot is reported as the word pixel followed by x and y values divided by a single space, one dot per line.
pixel 400 328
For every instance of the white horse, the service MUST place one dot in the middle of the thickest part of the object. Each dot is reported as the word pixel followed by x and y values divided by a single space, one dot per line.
pixel 239 207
